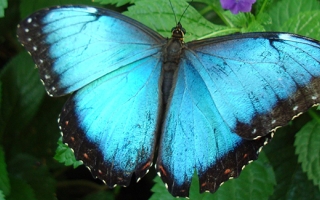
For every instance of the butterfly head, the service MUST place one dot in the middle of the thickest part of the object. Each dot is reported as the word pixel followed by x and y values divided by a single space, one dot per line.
pixel 178 31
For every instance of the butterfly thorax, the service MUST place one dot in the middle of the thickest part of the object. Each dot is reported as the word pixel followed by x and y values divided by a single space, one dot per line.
pixel 172 52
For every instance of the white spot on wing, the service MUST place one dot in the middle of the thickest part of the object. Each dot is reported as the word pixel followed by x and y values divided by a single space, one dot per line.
pixel 257 137
pixel 295 108
pixel 285 36
pixel 34 48
pixel 29 20
pixel 26 30
pixel 92 10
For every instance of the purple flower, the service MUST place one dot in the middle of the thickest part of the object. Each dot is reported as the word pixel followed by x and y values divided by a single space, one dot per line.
pixel 236 6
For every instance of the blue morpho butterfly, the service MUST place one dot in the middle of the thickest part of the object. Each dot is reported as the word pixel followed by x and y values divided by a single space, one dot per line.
pixel 212 103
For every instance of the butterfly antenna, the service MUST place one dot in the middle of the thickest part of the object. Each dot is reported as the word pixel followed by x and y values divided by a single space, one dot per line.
pixel 175 17
pixel 185 10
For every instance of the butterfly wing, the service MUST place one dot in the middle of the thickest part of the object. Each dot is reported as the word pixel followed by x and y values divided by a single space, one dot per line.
pixel 75 45
pixel 112 64
pixel 259 81
pixel 111 124
pixel 226 88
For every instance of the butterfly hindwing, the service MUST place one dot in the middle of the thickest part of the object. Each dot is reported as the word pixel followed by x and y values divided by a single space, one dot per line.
pixel 75 45
pixel 259 81
pixel 111 124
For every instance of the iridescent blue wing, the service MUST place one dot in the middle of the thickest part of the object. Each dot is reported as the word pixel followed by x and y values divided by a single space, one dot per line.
pixel 112 64
pixel 259 81
pixel 111 124
pixel 228 88
pixel 75 45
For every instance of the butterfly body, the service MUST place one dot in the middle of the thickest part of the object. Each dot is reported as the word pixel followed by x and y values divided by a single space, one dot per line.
pixel 172 52
pixel 213 103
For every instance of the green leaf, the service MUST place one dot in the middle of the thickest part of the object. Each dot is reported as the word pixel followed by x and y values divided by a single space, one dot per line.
pixel 245 22
pixel 282 11
pixel 27 7
pixel 159 190
pixel 264 19
pixel 4 179
pixel 158 15
pixel 254 26
pixel 3 5
pixel 308 150
pixel 117 2
pixel 65 155
pixel 1 195
pixel 27 168
pixel 22 93
pixel 0 96
pixel 292 183
pixel 238 20
pixel 305 23
pixel 255 182
pixel 22 190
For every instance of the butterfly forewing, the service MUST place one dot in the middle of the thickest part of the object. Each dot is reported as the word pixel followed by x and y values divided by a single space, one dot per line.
pixel 259 81
pixel 75 45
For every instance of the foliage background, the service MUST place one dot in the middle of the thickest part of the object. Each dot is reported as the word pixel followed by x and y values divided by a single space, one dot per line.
pixel 288 167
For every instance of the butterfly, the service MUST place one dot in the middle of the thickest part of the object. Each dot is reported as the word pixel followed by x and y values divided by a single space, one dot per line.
pixel 206 106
